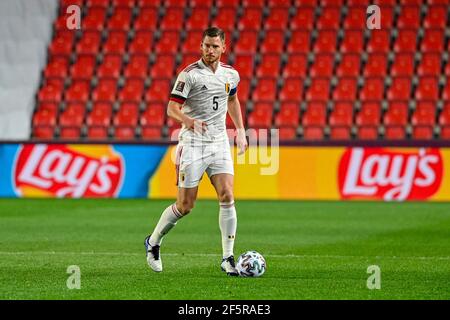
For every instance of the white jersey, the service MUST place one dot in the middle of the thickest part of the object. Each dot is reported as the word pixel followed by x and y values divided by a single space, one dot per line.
pixel 204 96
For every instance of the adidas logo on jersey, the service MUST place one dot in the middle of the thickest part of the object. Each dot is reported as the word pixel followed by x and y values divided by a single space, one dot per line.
pixel 204 87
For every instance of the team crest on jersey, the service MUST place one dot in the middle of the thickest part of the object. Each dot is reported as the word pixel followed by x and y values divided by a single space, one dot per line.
pixel 227 87
pixel 180 86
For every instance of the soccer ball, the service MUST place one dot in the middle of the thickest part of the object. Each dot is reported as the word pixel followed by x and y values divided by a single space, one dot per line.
pixel 251 264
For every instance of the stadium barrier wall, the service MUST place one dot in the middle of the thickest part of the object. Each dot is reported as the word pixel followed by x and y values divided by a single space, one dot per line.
pixel 305 172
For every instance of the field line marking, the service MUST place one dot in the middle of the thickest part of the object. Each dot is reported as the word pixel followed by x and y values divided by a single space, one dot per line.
pixel 295 256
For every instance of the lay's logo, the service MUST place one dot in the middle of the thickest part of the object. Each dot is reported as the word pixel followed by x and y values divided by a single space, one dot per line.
pixel 390 174
pixel 71 171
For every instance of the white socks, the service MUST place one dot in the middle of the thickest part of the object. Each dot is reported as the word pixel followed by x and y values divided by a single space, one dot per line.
pixel 168 220
pixel 227 223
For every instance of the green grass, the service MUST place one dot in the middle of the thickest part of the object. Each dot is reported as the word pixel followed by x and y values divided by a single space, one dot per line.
pixel 314 250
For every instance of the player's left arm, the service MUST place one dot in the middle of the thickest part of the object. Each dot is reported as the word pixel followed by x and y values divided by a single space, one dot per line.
pixel 234 110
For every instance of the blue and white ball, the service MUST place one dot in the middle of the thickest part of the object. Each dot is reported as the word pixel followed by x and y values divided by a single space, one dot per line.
pixel 251 264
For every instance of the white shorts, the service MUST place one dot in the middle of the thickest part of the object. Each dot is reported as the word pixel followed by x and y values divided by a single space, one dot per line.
pixel 193 160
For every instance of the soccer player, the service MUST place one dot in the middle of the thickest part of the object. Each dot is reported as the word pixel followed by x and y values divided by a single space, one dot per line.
pixel 202 95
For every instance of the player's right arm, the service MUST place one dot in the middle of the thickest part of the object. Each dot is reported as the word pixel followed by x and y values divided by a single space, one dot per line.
pixel 174 111
pixel 178 96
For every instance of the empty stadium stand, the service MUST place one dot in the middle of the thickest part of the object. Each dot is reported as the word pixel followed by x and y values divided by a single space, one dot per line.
pixel 308 67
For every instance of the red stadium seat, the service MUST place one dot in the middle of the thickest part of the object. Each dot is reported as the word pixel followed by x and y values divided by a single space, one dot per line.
pixel 95 19
pixel 78 91
pixel 353 42
pixel 292 90
pixel 44 118
pixel 168 43
pixel 97 133
pixel 201 3
pixel 147 19
pixel 247 43
pixel 57 67
pixel 313 117
pixel 345 90
pixel 355 18
pixel 116 43
pixel 427 89
pixel 43 132
pixel 154 115
pixel 137 67
pixel 369 115
pixel 299 43
pixel 409 17
pixel 406 41
pixel 303 20
pixel 253 3
pixel 244 90
pixel 287 133
pixel 151 133
pixel 279 3
pixel 260 119
pixel 387 13
pixel 83 68
pixel 326 42
pixel 436 17
pixel 110 67
pixel 105 91
pixel 163 67
pixel 250 20
pixel 173 19
pixel 269 67
pixel 403 65
pixel 313 133
pixel 329 18
pixel 244 64
pixel 141 43
pixel 62 44
pixel 277 19
pixel 226 18
pixel 372 90
pixel 376 66
pixel 288 116
pixel 71 118
pixel 349 66
pixel 322 66
pixel 99 118
pixel 72 133
pixel 319 90
pixel 159 90
pixel 367 132
pixel 273 42
pixel 433 41
pixel 132 90
pixel 265 90
pixel 400 89
pixel 394 132
pixel 296 66
pixel 123 3
pixel 340 132
pixel 422 132
pixel 121 19
pixel 430 65
pixel 192 42
pixel 49 106
pixel 198 19
pixel 50 93
pixel 126 116
pixel 379 41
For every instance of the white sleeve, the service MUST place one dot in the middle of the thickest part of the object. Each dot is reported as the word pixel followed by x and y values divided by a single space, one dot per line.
pixel 181 88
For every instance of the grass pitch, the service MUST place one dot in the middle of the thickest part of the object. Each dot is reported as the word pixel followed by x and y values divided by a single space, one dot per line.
pixel 314 250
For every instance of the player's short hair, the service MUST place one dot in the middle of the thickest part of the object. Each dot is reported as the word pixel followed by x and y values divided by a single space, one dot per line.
pixel 214 32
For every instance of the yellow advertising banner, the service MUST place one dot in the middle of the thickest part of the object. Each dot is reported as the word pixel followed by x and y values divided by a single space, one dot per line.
pixel 326 173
